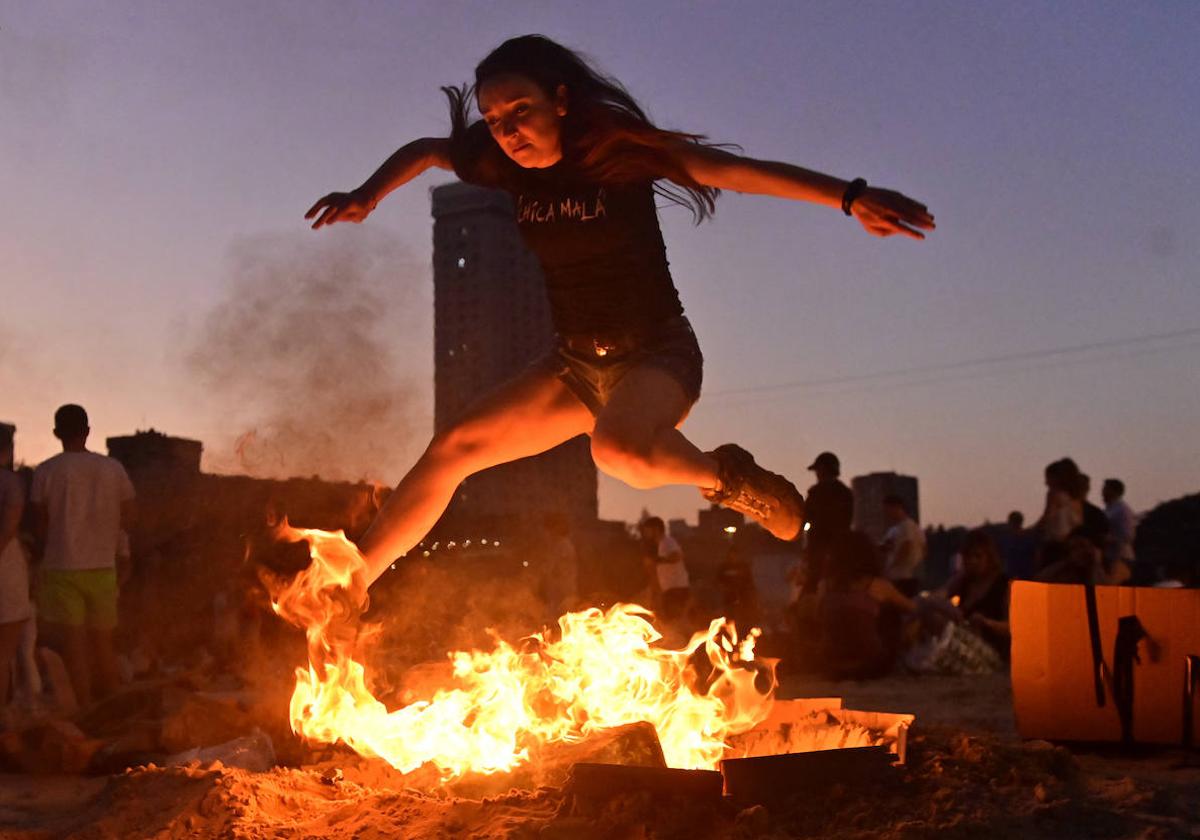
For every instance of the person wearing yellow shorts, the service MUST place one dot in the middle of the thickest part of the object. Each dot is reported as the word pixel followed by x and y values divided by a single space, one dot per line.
pixel 82 500
pixel 79 598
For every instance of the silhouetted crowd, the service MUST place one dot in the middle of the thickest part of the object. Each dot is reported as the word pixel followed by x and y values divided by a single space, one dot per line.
pixel 863 609
pixel 858 607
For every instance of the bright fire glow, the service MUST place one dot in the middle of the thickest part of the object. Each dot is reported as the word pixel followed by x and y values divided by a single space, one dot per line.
pixel 795 726
pixel 598 670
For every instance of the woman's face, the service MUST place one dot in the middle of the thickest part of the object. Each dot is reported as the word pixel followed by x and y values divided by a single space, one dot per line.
pixel 977 563
pixel 525 122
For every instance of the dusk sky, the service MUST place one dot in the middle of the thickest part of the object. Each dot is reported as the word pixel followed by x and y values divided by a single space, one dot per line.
pixel 157 158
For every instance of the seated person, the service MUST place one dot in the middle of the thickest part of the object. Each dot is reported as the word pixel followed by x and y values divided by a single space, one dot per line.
pixel 979 593
pixel 858 612
pixel 1080 559
pixel 1180 572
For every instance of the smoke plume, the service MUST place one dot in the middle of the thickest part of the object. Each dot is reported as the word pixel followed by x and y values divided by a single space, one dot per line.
pixel 300 358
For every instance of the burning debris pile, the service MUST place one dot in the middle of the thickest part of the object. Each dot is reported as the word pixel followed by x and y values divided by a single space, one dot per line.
pixel 588 730
pixel 598 672
pixel 537 733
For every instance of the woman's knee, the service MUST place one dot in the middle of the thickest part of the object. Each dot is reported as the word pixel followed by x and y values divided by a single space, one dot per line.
pixel 623 456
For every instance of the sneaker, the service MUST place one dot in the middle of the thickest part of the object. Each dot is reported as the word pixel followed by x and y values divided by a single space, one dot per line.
pixel 767 497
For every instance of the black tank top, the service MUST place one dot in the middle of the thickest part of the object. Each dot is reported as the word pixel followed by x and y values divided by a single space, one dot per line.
pixel 600 247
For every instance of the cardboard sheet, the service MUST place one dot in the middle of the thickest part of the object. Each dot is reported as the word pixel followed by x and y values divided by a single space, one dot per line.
pixel 1053 689
pixel 821 723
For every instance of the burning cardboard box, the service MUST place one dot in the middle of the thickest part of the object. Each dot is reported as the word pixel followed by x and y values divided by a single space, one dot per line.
pixel 809 743
pixel 802 745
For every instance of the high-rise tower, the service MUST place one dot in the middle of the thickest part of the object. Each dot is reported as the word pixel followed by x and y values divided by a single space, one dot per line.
pixel 869 493
pixel 491 319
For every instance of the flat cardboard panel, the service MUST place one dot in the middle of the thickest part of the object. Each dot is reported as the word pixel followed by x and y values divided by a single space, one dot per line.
pixel 772 778
pixel 821 724
pixel 893 726
pixel 1053 692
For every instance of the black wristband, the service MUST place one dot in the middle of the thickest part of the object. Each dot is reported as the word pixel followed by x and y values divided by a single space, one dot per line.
pixel 857 187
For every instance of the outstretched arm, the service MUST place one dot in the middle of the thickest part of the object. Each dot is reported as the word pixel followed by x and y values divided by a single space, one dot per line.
pixel 408 162
pixel 885 592
pixel 882 212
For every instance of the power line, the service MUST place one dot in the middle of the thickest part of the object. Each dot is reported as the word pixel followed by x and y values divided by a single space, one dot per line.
pixel 980 376
pixel 1027 355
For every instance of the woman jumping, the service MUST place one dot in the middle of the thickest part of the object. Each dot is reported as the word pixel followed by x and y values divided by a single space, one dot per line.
pixel 583 164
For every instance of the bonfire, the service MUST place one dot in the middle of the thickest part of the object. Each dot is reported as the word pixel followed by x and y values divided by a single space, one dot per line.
pixel 595 672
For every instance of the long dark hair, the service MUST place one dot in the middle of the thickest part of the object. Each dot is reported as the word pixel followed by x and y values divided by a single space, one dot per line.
pixel 606 135
pixel 981 542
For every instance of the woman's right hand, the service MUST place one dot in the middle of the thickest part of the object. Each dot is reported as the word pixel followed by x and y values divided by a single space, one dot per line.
pixel 340 207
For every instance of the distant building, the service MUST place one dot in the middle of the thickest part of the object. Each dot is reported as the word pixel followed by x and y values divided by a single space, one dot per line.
pixel 491 319
pixel 179 505
pixel 152 453
pixel 679 528
pixel 11 430
pixel 869 492
pixel 716 520
pixel 165 471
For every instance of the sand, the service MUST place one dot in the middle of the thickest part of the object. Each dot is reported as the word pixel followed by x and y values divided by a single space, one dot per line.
pixel 968 775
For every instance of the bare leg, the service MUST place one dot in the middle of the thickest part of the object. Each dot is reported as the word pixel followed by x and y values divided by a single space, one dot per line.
pixel 72 642
pixel 107 676
pixel 31 680
pixel 524 417
pixel 10 640
pixel 636 439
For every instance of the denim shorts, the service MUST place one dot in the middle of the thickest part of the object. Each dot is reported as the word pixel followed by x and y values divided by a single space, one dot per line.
pixel 672 348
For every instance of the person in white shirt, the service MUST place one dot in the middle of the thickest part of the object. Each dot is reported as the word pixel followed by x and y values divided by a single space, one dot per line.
pixel 1122 525
pixel 82 500
pixel 904 547
pixel 670 573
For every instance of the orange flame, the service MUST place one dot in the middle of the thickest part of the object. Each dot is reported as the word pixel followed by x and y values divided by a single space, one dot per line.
pixel 601 669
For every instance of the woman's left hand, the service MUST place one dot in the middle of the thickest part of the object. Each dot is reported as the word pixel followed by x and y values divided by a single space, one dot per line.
pixel 887 212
